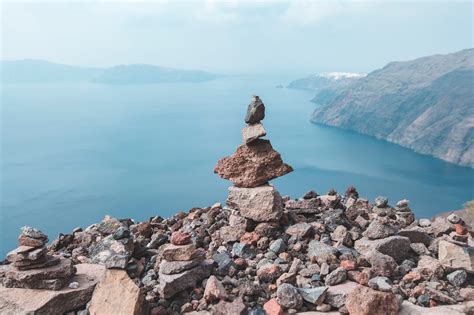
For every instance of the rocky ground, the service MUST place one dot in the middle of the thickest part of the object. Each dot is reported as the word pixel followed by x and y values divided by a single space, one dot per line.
pixel 261 253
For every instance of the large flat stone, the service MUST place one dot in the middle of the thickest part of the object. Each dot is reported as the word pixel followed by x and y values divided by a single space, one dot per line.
pixel 174 267
pixel 455 257
pixel 398 247
pixel 408 308
pixel 252 132
pixel 260 204
pixel 30 301
pixel 252 165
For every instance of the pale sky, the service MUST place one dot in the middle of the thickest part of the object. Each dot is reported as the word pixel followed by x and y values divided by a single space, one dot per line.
pixel 297 37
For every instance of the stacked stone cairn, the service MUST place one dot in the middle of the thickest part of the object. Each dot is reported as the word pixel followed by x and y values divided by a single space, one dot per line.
pixel 264 253
pixel 182 265
pixel 32 267
pixel 251 167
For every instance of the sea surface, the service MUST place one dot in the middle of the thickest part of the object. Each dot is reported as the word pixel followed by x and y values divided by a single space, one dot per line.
pixel 74 152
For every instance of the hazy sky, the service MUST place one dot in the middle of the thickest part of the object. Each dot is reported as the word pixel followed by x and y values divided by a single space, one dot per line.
pixel 297 37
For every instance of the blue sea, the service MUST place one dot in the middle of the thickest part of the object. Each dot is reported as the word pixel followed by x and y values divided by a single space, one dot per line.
pixel 74 152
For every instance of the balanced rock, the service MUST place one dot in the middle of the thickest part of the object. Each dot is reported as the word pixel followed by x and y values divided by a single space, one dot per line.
pixel 253 132
pixel 252 165
pixel 255 111
pixel 260 204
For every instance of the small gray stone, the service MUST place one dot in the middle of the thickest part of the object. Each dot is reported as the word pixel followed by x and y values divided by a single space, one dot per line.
pixel 378 229
pixel 74 285
pixel 278 246
pixel 121 232
pixel 336 276
pixel 313 295
pixel 243 250
pixel 381 202
pixel 453 218
pixel 288 296
pixel 381 284
pixel 457 278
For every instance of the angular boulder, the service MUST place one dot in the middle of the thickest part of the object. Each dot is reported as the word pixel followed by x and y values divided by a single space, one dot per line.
pixel 116 293
pixel 255 111
pixel 169 285
pixel 456 257
pixel 260 204
pixel 398 247
pixel 112 253
pixel 252 165
pixel 366 301
pixel 336 295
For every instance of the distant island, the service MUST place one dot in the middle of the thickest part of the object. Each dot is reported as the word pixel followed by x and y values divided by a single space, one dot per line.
pixel 424 104
pixel 34 71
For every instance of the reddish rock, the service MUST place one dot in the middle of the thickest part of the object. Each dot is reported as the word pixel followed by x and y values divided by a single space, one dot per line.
pixel 250 238
pixel 361 277
pixel 240 263
pixel 144 228
pixel 460 229
pixel 374 302
pixel 179 252
pixel 467 294
pixel 214 290
pixel 273 308
pixel 24 240
pixel 116 293
pixel 252 165
pixel 433 303
pixel 348 264
pixel 412 277
pixel 269 273
pixel 180 238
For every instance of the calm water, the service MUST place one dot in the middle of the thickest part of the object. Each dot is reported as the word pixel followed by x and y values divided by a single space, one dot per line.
pixel 72 153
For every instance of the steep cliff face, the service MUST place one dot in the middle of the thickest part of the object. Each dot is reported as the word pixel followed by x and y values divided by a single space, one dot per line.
pixel 425 104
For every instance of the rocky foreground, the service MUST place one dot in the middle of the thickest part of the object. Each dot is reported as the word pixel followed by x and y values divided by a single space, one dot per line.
pixel 260 254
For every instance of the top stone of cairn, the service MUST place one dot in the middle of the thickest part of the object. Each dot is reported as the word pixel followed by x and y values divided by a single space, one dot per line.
pixel 255 111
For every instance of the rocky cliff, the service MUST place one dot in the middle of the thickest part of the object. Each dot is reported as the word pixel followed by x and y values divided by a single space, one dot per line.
pixel 426 104
pixel 261 253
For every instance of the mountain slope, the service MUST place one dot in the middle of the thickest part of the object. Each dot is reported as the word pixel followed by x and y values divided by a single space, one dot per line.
pixel 141 73
pixel 425 104
pixel 325 80
pixel 33 70
pixel 30 71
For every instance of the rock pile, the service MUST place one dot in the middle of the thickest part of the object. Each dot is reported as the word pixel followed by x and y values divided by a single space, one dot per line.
pixel 251 167
pixel 32 267
pixel 267 254
pixel 182 265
